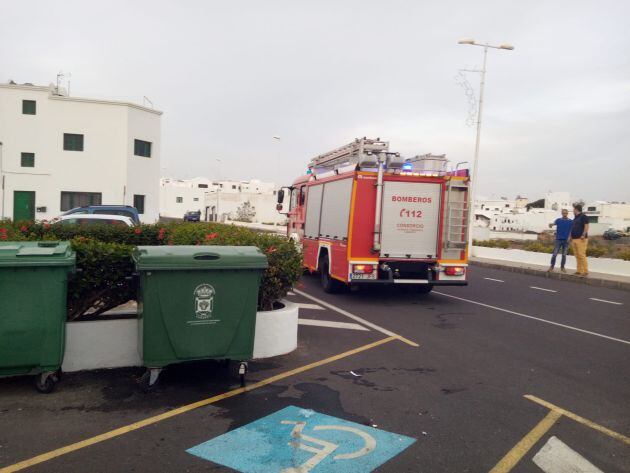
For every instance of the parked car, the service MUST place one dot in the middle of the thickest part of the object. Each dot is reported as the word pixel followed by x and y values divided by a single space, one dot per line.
pixel 94 219
pixel 124 210
pixel 192 216
pixel 612 234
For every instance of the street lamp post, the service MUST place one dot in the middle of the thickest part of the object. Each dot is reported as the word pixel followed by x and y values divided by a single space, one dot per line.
pixel 473 181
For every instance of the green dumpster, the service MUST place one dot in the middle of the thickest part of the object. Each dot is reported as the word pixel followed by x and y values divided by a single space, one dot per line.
pixel 33 293
pixel 197 303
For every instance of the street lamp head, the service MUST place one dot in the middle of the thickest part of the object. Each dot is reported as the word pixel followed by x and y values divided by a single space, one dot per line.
pixel 507 46
pixel 466 41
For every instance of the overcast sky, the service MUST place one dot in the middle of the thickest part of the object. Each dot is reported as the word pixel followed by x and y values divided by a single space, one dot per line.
pixel 230 75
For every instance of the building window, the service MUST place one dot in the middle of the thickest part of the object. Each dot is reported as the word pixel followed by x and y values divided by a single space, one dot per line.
pixel 142 148
pixel 70 200
pixel 138 203
pixel 202 186
pixel 233 186
pixel 28 160
pixel 72 142
pixel 591 209
pixel 29 107
pixel 179 200
pixel 196 199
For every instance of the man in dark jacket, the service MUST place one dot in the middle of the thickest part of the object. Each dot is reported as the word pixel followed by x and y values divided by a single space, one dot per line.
pixel 579 240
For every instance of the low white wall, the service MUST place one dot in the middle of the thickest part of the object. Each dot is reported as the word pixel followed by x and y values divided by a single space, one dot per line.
pixel 597 265
pixel 484 233
pixel 276 331
pixel 114 343
pixel 101 344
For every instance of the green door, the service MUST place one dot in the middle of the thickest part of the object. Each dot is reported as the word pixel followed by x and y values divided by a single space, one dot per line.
pixel 23 205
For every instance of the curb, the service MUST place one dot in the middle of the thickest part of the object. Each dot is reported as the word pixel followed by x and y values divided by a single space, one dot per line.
pixel 591 281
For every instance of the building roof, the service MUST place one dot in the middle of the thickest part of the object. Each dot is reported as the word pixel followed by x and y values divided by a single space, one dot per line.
pixel 51 95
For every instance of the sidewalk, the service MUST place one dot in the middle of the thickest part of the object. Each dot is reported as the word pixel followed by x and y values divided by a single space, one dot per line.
pixel 593 279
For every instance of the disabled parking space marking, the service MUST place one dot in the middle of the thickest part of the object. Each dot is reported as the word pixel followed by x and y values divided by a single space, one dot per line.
pixel 557 457
pixel 514 456
pixel 358 319
pixel 88 442
pixel 303 305
pixel 332 324
pixel 296 440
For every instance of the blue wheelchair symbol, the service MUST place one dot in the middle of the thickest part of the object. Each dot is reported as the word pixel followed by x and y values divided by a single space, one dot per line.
pixel 295 440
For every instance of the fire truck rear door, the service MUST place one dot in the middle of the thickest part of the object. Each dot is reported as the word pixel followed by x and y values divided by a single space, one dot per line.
pixel 410 219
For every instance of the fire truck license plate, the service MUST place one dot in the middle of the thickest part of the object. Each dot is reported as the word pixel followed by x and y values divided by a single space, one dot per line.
pixel 361 276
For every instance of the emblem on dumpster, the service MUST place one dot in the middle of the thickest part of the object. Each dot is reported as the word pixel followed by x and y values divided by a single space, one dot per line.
pixel 204 301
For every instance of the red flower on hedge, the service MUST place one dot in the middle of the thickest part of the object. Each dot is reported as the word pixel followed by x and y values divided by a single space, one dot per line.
pixel 211 236
pixel 24 228
pixel 3 230
pixel 47 226
pixel 138 231
pixel 271 249
pixel 161 233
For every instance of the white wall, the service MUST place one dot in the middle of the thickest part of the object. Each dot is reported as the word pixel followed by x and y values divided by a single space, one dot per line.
pixel 595 265
pixel 106 164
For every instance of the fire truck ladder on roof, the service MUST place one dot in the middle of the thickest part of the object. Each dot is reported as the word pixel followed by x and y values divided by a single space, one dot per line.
pixel 456 215
pixel 362 152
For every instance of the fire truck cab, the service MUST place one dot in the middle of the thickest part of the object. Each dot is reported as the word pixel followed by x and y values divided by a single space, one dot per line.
pixel 365 215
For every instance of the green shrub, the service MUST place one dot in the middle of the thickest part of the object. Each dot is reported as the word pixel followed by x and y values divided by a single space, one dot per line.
pixel 492 243
pixel 596 251
pixel 538 247
pixel 105 266
pixel 624 255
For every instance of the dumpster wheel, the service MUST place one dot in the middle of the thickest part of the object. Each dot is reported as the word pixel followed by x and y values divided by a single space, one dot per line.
pixel 45 382
pixel 149 379
pixel 242 371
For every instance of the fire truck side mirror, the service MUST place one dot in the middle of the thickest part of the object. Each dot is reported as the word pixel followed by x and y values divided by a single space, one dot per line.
pixel 280 199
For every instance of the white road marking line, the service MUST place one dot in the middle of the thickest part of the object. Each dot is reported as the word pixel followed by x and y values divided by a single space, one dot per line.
pixel 542 289
pixel 290 293
pixel 604 300
pixel 332 324
pixel 495 280
pixel 556 457
pixel 356 318
pixel 302 305
pixel 534 318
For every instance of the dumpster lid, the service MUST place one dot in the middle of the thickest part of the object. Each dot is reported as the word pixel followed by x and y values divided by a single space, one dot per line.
pixel 199 257
pixel 36 253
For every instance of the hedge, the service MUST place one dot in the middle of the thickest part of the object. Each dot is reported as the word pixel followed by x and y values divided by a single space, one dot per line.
pixel 105 268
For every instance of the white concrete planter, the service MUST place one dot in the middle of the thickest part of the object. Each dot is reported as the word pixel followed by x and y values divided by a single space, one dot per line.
pixel 114 343
pixel 276 331
pixel 101 344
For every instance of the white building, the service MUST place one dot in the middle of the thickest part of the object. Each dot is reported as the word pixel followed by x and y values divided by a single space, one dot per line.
pixel 219 200
pixel 60 152
pixel 510 217
pixel 604 215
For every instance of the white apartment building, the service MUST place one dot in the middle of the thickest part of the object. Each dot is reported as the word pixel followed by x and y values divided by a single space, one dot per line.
pixel 604 215
pixel 60 152
pixel 219 200
pixel 505 215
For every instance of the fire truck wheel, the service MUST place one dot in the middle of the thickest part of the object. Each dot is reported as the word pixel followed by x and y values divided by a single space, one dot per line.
pixel 329 284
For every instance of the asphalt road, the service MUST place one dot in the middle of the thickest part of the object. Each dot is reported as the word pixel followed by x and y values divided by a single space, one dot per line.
pixel 459 394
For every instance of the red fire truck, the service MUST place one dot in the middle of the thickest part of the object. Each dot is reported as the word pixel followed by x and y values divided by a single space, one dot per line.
pixel 365 215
